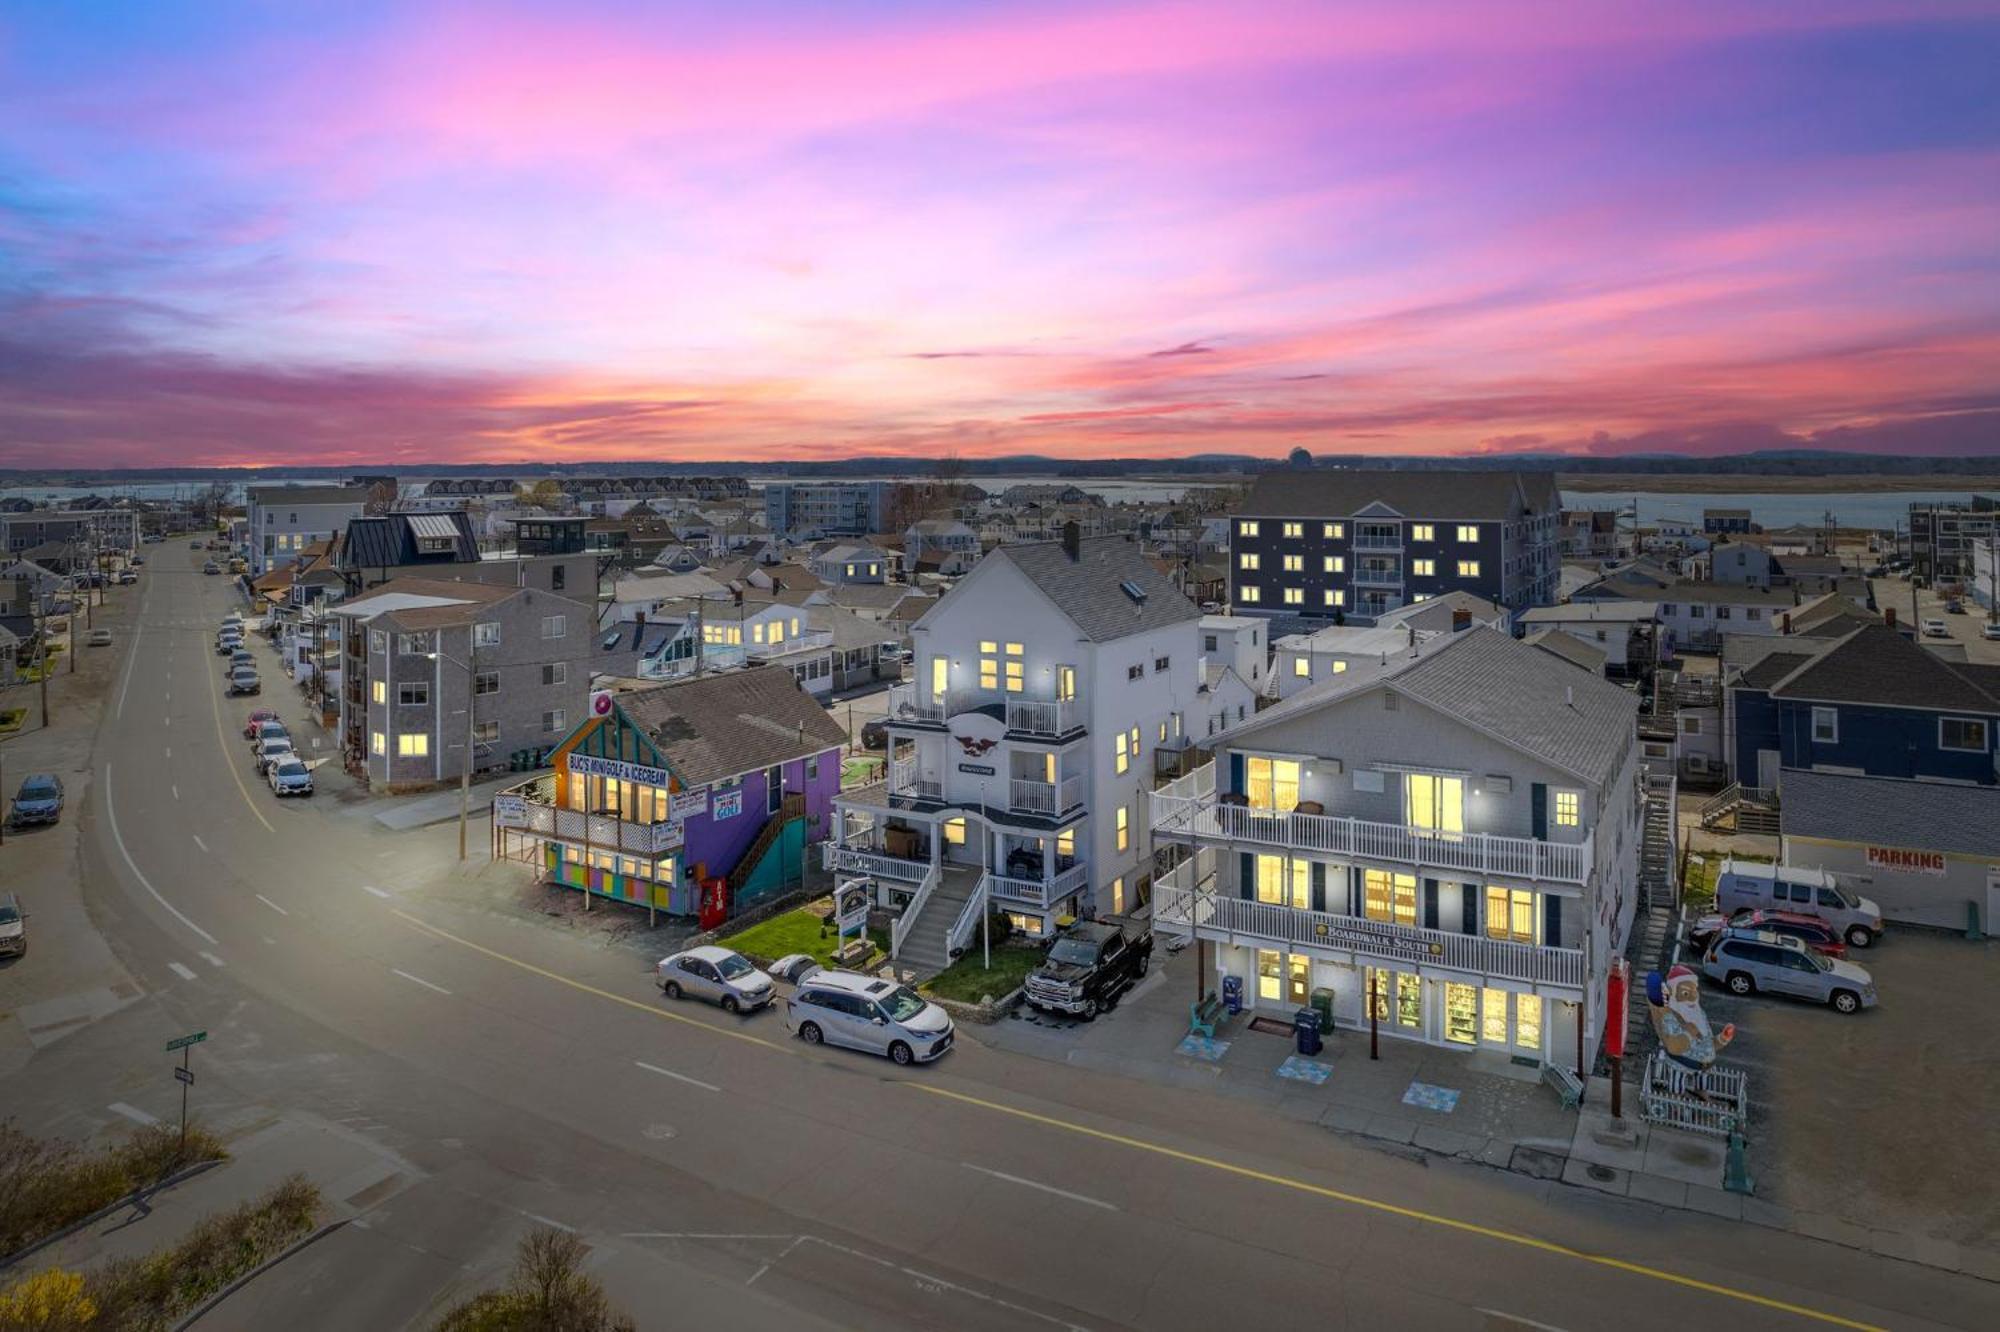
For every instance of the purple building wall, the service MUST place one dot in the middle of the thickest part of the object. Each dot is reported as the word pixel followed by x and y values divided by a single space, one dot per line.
pixel 717 844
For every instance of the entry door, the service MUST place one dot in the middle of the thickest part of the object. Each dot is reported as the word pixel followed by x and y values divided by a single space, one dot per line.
pixel 1767 769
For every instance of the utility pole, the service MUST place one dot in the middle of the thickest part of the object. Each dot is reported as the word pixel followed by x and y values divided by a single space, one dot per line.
pixel 465 768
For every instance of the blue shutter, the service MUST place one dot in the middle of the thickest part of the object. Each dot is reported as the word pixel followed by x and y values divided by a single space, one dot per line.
pixel 1552 920
pixel 1539 811
pixel 1246 875
pixel 1354 887
pixel 1235 774
pixel 1430 893
pixel 1468 908
pixel 1318 886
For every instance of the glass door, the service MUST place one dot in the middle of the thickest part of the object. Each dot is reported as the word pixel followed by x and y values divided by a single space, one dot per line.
pixel 1528 1023
pixel 1461 1013
pixel 1493 1017
pixel 1301 981
pixel 1270 976
pixel 1435 804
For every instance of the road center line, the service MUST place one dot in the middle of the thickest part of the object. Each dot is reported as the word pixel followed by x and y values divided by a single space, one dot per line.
pixel 419 980
pixel 1395 1209
pixel 185 973
pixel 1045 1188
pixel 176 788
pixel 211 959
pixel 273 905
pixel 677 1077
pixel 111 817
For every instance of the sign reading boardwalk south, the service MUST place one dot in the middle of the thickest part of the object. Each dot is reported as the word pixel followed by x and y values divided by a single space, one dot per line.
pixel 192 1038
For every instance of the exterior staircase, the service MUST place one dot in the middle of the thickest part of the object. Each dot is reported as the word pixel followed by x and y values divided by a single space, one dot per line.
pixel 1745 809
pixel 790 808
pixel 923 949
pixel 1659 879
pixel 1652 935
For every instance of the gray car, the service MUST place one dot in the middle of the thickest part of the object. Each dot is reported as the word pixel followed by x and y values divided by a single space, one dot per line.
pixel 13 926
pixel 1750 961
pixel 717 975
pixel 868 1013
pixel 243 680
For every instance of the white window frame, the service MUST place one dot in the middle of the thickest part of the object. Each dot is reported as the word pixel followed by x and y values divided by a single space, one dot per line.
pixel 486 634
pixel 559 623
pixel 1831 718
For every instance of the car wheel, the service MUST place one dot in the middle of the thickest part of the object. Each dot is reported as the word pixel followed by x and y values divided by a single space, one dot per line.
pixel 809 1033
pixel 1740 983
pixel 1845 1001
pixel 671 989
pixel 900 1052
pixel 1859 936
pixel 1145 963
pixel 1103 1004
pixel 729 1004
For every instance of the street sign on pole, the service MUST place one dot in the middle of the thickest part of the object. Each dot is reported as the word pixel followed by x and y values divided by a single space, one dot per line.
pixel 181 1042
pixel 184 1075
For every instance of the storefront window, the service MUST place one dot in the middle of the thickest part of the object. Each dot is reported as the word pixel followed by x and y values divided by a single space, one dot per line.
pixel 1377 986
pixel 1391 897
pixel 1510 914
pixel 1528 1021
pixel 1271 886
pixel 1409 1000
pixel 1270 975
pixel 1493 1017
pixel 1461 1014
pixel 1272 783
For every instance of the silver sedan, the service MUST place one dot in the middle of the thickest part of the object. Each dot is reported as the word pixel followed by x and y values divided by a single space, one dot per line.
pixel 717 975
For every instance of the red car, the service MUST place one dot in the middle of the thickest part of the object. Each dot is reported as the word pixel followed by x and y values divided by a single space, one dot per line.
pixel 258 718
pixel 1811 931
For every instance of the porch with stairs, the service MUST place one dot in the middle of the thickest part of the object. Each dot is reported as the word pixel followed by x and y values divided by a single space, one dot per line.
pixel 923 948
pixel 1742 809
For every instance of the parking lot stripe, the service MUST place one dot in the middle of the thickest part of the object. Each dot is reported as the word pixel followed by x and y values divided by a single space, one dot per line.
pixel 1396 1209
pixel 1045 1188
pixel 198 842
pixel 677 1077
pixel 184 972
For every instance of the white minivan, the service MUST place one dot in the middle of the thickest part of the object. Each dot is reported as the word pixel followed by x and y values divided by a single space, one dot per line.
pixel 868 1013
pixel 1809 892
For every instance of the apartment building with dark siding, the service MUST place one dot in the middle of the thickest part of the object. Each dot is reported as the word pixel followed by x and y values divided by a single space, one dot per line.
pixel 1359 544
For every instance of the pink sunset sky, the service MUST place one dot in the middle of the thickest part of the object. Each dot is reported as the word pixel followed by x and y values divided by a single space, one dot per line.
pixel 347 232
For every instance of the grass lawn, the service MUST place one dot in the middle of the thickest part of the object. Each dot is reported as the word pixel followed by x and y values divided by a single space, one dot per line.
pixel 794 932
pixel 968 982
pixel 1703 868
pixel 860 771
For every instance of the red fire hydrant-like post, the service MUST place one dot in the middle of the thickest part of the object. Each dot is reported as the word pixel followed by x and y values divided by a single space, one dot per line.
pixel 1615 983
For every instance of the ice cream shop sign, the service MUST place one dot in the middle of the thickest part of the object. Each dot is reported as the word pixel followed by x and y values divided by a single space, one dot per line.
pixel 1898 860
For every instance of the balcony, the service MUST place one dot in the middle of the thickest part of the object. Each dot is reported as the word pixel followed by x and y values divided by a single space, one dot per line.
pixel 867 860
pixel 1043 716
pixel 905 781
pixel 1233 920
pixel 599 831
pixel 1205 818
pixel 1378 575
pixel 1378 541
pixel 1049 798
pixel 909 703
pixel 812 640
pixel 1036 894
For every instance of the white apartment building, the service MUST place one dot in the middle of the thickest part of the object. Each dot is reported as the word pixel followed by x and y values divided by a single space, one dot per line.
pixel 284 520
pixel 1461 826
pixel 1046 682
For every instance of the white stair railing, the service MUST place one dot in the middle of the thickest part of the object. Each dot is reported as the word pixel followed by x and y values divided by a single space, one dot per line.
pixel 908 920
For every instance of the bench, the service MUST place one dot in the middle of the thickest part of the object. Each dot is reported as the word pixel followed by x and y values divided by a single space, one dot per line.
pixel 1565 1083
pixel 1203 1016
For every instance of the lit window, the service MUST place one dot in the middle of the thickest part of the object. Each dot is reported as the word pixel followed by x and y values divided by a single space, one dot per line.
pixel 1121 753
pixel 1016 680
pixel 378 743
pixel 1569 809
pixel 1336 564
pixel 1302 667
pixel 1295 529
pixel 1468 533
pixel 415 745
pixel 1336 597
pixel 1118 896
pixel 1334 531
pixel 1248 529
pixel 1423 532
pixel 1339 667
pixel 1294 596
pixel 1124 826
pixel 954 832
pixel 1511 914
pixel 1015 649
pixel 1272 886
pixel 1468 568
pixel 1066 842
pixel 1249 560
pixel 989 669
pixel 1390 897
pixel 1251 594
pixel 1424 568
pixel 1271 783
pixel 380 691
pixel 1295 564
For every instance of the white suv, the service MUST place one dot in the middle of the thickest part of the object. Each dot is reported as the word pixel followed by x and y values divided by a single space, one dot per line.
pixel 868 1013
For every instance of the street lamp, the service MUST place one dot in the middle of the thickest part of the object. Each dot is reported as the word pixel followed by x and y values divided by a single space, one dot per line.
pixel 465 765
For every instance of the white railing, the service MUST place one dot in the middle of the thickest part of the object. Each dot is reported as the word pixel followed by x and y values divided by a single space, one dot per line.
pixel 861 860
pixel 909 703
pixel 1377 541
pixel 1192 785
pixel 1362 839
pixel 1231 918
pixel 810 640
pixel 908 920
pixel 905 780
pixel 597 830
pixel 1032 797
pixel 960 933
pixel 1037 893
pixel 1378 576
pixel 1043 716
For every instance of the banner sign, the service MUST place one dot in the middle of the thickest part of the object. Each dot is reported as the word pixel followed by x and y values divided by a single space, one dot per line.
pixel 728 804
pixel 850 906
pixel 1898 861
pixel 510 811
pixel 686 805
pixel 589 765
pixel 978 769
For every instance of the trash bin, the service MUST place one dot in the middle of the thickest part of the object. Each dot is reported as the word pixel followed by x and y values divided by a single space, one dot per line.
pixel 1232 994
pixel 1322 1002
pixel 1305 1023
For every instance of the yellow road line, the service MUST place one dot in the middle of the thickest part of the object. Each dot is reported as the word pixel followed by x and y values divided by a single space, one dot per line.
pixel 1192 1158
pixel 215 702
pixel 1394 1209
pixel 428 928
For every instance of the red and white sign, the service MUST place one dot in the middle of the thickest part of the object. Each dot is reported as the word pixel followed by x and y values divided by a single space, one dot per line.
pixel 977 733
pixel 1897 860
pixel 600 703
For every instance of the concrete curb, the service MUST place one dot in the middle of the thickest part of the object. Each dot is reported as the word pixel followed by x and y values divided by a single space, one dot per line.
pixel 137 1195
pixel 315 1236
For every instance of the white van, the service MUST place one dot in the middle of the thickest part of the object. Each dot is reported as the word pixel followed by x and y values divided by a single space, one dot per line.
pixel 1809 892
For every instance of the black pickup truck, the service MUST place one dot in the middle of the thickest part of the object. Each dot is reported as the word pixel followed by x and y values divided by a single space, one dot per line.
pixel 1088 967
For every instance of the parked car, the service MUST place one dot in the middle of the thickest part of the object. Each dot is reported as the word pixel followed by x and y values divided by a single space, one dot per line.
pixel 269 730
pixel 1750 961
pixel 228 641
pixel 1954 607
pixel 245 682
pixel 890 652
pixel 1811 931
pixel 289 776
pixel 99 638
pixel 13 926
pixel 141 559
pixel 793 968
pixel 1089 966
pixel 1808 892
pixel 211 567
pixel 1936 629
pixel 717 975
pixel 868 1013
pixel 240 658
pixel 194 545
pixel 40 799
pixel 273 751
pixel 875 734
pixel 257 719
pixel 126 578
pixel 1990 630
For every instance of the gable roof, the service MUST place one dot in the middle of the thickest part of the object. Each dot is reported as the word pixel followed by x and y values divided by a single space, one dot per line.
pixel 724 725
pixel 1089 589
pixel 375 541
pixel 1878 665
pixel 1570 648
pixel 1415 494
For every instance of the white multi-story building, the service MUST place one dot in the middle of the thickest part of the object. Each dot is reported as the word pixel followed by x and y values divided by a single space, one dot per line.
pixel 1046 683
pixel 284 520
pixel 1461 826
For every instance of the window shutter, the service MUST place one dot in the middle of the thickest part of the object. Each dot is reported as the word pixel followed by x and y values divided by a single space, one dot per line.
pixel 1246 875
pixel 1552 920
pixel 1468 908
pixel 1318 886
pixel 1539 811
pixel 1235 774
pixel 1430 892
pixel 1354 890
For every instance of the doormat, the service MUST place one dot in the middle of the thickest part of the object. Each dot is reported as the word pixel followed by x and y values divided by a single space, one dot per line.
pixel 1426 1097
pixel 1300 1069
pixel 1205 1048
pixel 1271 1027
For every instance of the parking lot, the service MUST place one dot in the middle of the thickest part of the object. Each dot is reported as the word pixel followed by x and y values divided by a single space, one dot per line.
pixel 1964 629
pixel 1884 1118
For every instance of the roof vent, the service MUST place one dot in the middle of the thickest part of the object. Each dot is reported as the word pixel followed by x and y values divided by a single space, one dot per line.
pixel 1134 591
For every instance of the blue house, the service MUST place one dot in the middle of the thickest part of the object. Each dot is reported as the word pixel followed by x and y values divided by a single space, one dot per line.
pixel 1868 703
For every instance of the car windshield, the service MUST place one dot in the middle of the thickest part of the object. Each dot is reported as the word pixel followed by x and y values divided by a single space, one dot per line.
pixel 37 790
pixel 8 915
pixel 733 966
pixel 902 1004
pixel 291 768
pixel 1847 899
pixel 1819 963
pixel 1078 952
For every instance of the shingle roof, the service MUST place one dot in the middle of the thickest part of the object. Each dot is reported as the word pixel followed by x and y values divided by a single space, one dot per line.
pixel 1416 494
pixel 1436 612
pixel 1591 612
pixel 1773 667
pixel 1890 811
pixel 1878 665
pixel 736 722
pixel 1088 589
pixel 1570 648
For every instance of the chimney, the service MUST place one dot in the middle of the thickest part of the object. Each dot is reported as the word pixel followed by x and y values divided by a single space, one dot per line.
pixel 1072 540
pixel 1461 619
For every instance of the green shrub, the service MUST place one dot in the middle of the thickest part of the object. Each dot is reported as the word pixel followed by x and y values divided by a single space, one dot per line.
pixel 547 1291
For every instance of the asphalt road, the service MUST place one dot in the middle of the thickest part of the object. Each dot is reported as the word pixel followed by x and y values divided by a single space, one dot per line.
pixel 722 1171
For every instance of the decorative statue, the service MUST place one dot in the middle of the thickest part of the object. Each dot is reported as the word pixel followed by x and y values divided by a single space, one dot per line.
pixel 1675 1003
